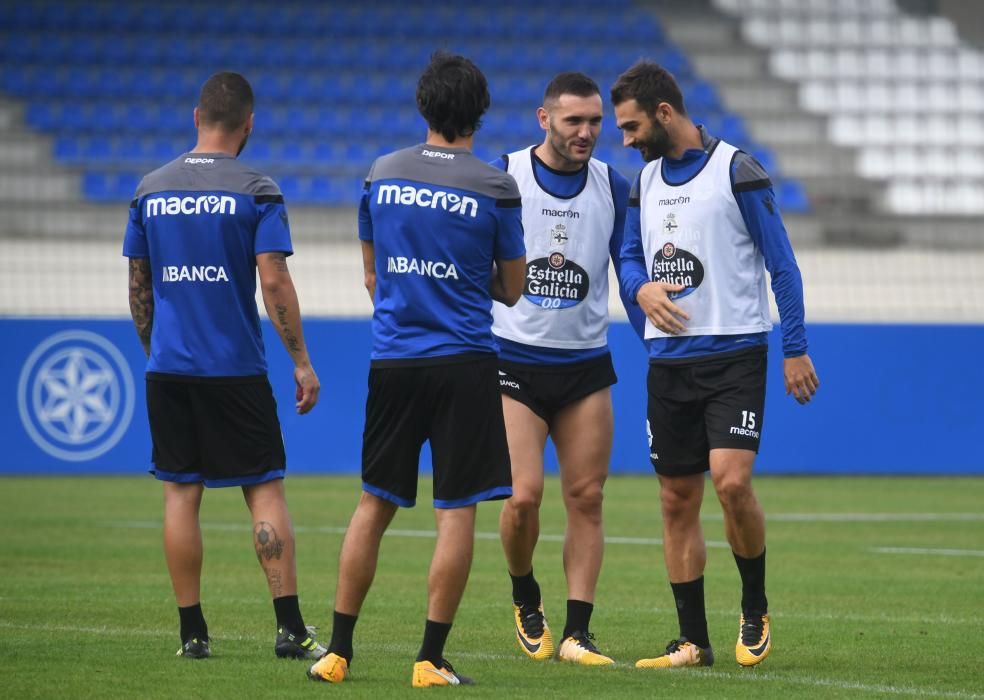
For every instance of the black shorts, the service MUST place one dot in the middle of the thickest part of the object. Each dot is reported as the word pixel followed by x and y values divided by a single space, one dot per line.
pixel 546 389
pixel 456 405
pixel 220 431
pixel 699 406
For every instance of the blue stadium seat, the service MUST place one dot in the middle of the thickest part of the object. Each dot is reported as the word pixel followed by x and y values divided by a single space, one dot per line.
pixel 115 82
pixel 792 197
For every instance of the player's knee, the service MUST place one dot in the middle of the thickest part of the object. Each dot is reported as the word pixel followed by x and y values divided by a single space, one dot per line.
pixel 679 504
pixel 733 492
pixel 525 502
pixel 585 496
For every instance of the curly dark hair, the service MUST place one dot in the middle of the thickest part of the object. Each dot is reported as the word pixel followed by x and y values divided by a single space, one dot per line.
pixel 452 95
pixel 648 83
pixel 226 100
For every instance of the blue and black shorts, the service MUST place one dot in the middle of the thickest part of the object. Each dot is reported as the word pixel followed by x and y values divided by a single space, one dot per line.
pixel 220 431
pixel 454 403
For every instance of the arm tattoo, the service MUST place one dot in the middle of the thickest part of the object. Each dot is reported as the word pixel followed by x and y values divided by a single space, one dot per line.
pixel 293 344
pixel 268 544
pixel 279 261
pixel 142 299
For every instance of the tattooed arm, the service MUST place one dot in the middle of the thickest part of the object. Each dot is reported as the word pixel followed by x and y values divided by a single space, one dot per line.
pixel 142 300
pixel 280 299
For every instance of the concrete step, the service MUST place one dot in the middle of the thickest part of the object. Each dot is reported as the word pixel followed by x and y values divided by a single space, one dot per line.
pixel 815 160
pixel 757 97
pixel 24 150
pixel 37 188
pixel 11 115
pixel 743 64
pixel 65 219
pixel 794 128
pixel 842 194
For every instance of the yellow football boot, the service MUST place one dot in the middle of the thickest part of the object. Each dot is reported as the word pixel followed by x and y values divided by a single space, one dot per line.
pixel 330 668
pixel 680 653
pixel 427 675
pixel 580 649
pixel 533 632
pixel 754 640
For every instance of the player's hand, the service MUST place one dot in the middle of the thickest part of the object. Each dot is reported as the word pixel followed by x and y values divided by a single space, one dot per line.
pixel 308 388
pixel 653 298
pixel 800 377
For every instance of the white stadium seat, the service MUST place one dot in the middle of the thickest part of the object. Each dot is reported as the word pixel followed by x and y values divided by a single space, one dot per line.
pixel 899 88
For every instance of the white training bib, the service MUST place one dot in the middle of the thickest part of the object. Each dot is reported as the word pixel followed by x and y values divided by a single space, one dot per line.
pixel 693 234
pixel 565 301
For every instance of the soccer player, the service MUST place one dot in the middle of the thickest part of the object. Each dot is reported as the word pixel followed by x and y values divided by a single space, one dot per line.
pixel 200 227
pixel 701 230
pixel 555 369
pixel 442 237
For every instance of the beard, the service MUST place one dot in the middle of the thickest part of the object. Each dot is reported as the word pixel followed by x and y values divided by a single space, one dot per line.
pixel 562 148
pixel 657 143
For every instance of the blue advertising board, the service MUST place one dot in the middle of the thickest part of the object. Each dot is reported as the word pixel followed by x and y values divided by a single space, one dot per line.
pixel 894 400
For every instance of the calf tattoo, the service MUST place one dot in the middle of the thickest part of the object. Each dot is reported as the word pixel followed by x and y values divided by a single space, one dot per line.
pixel 268 544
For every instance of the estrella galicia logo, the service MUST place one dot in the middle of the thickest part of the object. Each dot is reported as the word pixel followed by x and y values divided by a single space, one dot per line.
pixel 677 266
pixel 555 282
pixel 75 395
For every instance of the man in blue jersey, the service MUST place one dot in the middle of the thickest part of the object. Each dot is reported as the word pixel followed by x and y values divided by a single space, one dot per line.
pixel 442 237
pixel 701 230
pixel 200 227
pixel 555 370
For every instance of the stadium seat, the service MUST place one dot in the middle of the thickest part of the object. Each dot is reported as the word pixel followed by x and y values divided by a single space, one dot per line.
pixel 115 82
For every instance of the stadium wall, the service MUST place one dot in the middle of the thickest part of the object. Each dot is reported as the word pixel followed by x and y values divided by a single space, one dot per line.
pixel 895 399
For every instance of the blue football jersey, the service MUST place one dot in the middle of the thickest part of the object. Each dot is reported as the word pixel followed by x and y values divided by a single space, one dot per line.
pixel 201 220
pixel 437 219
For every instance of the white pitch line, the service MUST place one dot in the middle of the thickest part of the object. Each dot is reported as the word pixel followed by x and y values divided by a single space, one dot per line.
pixel 813 616
pixel 863 517
pixel 765 677
pixel 930 551
pixel 752 676
pixel 397 532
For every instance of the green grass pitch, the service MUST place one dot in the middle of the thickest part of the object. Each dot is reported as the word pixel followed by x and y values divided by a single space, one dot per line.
pixel 876 587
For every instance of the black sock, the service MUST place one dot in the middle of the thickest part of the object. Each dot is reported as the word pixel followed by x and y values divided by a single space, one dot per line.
pixel 690 611
pixel 752 572
pixel 435 634
pixel 288 613
pixel 525 589
pixel 192 623
pixel 342 628
pixel 578 617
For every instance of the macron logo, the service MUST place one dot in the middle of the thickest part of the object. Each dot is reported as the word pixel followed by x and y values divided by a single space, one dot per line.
pixel 427 268
pixel 206 204
pixel 563 213
pixel 437 154
pixel 429 199
pixel 194 273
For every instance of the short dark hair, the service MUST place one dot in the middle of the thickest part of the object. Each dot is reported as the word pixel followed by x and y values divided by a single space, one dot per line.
pixel 570 83
pixel 226 100
pixel 452 95
pixel 648 83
